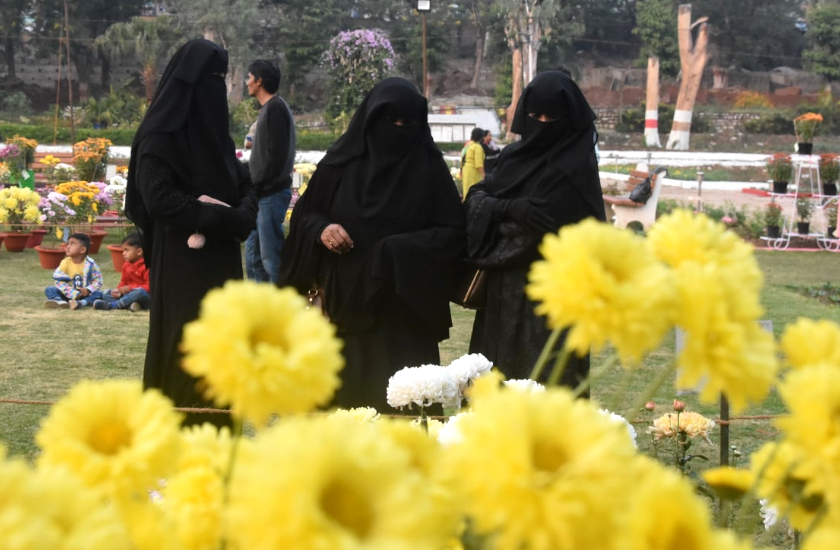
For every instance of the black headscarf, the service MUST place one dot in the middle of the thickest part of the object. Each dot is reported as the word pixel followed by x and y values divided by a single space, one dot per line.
pixel 554 94
pixel 187 126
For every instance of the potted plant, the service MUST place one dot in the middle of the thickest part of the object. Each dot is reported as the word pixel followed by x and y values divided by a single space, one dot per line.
pixel 18 209
pixel 829 172
pixel 780 169
pixel 12 160
pixel 27 157
pixel 831 221
pixel 773 219
pixel 90 158
pixel 804 209
pixel 805 126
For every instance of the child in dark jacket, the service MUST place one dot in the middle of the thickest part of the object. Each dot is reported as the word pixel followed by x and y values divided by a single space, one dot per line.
pixel 133 291
pixel 77 279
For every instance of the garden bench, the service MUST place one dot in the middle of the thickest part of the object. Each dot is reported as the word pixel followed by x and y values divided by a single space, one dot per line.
pixel 626 211
pixel 38 166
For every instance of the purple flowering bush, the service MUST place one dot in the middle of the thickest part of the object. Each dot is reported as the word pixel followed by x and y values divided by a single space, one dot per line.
pixel 356 61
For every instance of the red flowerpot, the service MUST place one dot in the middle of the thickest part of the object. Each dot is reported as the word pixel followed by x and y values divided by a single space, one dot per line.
pixel 116 255
pixel 50 257
pixel 96 238
pixel 16 242
pixel 36 238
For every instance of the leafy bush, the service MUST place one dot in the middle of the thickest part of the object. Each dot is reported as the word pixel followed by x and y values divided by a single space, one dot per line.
pixel 633 120
pixel 44 134
pixel 773 123
pixel 15 103
pixel 752 100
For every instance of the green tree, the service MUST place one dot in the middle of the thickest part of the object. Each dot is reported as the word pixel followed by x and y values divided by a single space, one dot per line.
pixel 656 27
pixel 754 34
pixel 823 53
pixel 229 23
pixel 12 14
pixel 608 26
pixel 88 19
pixel 149 40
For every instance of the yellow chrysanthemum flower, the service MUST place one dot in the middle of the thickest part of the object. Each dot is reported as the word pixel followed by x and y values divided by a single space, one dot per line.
pixel 812 395
pixel 664 512
pixel 729 483
pixel 721 354
pixel 319 482
pixel 683 238
pixel 782 481
pixel 604 284
pixel 205 445
pixel 672 424
pixel 149 527
pixel 194 498
pixel 362 415
pixel 112 433
pixel 535 468
pixel 51 509
pixel 808 342
pixel 718 281
pixel 262 352
pixel 824 537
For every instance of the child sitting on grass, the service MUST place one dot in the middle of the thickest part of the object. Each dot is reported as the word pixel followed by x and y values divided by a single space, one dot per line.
pixel 133 291
pixel 77 278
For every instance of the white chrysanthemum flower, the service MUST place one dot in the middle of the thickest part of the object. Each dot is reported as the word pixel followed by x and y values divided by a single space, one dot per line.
pixel 449 433
pixel 618 419
pixel 423 385
pixel 525 385
pixel 469 366
pixel 769 515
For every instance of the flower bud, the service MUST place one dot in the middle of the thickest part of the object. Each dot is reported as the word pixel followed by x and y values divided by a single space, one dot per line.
pixel 679 406
pixel 650 405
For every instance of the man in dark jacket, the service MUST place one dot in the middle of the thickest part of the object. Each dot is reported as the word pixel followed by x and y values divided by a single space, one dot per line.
pixel 271 166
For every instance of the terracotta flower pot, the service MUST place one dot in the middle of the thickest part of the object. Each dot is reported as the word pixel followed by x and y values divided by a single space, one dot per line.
pixel 16 242
pixel 116 256
pixel 96 238
pixel 36 238
pixel 50 257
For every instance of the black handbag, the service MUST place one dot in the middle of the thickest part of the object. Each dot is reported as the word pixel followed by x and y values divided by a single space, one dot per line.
pixel 642 192
pixel 472 289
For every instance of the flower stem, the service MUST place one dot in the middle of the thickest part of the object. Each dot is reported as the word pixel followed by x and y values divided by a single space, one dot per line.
pixel 593 375
pixel 559 365
pixel 545 354
pixel 646 395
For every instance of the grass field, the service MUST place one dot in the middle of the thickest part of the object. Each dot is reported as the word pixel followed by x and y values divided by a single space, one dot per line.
pixel 45 352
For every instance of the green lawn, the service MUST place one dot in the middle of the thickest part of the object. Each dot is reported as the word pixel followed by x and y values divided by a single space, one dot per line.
pixel 45 352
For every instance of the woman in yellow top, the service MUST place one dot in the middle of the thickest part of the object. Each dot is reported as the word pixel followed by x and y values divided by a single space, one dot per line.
pixel 472 161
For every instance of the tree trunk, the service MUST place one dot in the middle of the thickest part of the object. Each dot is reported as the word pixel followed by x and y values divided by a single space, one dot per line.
pixel 517 88
pixel 149 79
pixel 479 54
pixel 721 78
pixel 105 64
pixel 237 88
pixel 9 49
pixel 693 57
pixel 652 103
pixel 83 66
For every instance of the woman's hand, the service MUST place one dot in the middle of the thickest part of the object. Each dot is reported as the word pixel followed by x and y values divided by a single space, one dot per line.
pixel 336 239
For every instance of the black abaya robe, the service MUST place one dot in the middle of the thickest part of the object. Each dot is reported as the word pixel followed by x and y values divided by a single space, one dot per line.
pixel 389 295
pixel 181 151
pixel 556 164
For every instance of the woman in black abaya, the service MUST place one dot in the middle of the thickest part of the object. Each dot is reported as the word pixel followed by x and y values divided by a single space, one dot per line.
pixel 181 157
pixel 381 230
pixel 541 183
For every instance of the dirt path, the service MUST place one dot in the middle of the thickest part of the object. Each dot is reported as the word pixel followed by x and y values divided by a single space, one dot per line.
pixel 714 196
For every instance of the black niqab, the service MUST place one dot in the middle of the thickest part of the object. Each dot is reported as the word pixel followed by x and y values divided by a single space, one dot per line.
pixel 554 94
pixel 188 132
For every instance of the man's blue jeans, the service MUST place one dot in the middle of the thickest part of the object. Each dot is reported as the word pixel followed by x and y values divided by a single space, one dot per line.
pixel 262 249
